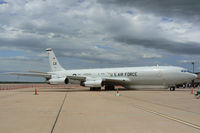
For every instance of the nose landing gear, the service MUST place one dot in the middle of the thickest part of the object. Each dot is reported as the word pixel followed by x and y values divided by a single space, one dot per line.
pixel 172 88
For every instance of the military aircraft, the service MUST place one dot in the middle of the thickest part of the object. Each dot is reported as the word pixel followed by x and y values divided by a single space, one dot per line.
pixel 149 77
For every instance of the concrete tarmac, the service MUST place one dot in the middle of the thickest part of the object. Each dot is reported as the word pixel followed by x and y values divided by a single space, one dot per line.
pixel 78 110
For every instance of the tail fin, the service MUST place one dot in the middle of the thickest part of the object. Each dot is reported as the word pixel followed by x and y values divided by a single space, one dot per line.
pixel 54 64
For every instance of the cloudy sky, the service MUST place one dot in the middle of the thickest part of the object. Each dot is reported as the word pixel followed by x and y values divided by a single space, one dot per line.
pixel 98 33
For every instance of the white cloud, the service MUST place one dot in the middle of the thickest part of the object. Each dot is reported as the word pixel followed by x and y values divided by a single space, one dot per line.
pixel 189 61
pixel 150 56
pixel 95 33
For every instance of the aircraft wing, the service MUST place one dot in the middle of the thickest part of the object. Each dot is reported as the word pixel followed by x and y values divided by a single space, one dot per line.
pixel 116 80
pixel 106 80
pixel 79 78
pixel 32 74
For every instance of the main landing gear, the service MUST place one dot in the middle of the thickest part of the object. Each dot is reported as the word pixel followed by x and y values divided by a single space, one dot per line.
pixel 109 87
pixel 95 88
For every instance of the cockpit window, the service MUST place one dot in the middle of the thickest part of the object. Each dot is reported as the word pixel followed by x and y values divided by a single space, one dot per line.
pixel 186 71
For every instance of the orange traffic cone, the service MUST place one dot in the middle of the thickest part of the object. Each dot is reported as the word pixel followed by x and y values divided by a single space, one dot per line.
pixel 36 92
pixel 117 94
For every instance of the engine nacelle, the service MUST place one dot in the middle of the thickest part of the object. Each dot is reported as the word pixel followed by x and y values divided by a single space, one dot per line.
pixel 59 81
pixel 94 83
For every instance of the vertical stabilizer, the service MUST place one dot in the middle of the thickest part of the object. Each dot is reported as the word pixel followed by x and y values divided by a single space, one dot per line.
pixel 54 64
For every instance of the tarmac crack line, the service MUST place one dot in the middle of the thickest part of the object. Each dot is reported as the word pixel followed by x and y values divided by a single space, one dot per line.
pixel 58 113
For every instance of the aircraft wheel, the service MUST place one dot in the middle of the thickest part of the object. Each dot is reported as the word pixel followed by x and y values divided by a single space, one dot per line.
pixel 112 87
pixel 98 88
pixel 95 88
pixel 91 88
pixel 106 88
pixel 172 88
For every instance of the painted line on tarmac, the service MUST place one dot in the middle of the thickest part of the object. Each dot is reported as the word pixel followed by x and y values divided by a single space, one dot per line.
pixel 166 116
pixel 169 117
pixel 58 113
pixel 171 107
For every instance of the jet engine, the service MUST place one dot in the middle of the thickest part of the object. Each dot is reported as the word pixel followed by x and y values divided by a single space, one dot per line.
pixel 94 83
pixel 59 81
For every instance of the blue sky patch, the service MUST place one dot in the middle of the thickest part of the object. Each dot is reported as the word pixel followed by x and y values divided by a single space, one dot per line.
pixel 165 19
pixel 130 12
pixel 80 1
pixel 104 47
pixel 3 2
pixel 10 53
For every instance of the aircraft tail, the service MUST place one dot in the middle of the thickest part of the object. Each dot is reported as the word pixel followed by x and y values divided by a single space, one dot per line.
pixel 54 64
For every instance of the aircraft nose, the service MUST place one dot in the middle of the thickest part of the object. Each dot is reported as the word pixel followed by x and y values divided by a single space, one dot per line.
pixel 195 76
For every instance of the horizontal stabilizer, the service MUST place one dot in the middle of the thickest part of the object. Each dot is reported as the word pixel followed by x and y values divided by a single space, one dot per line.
pixel 31 74
pixel 31 71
